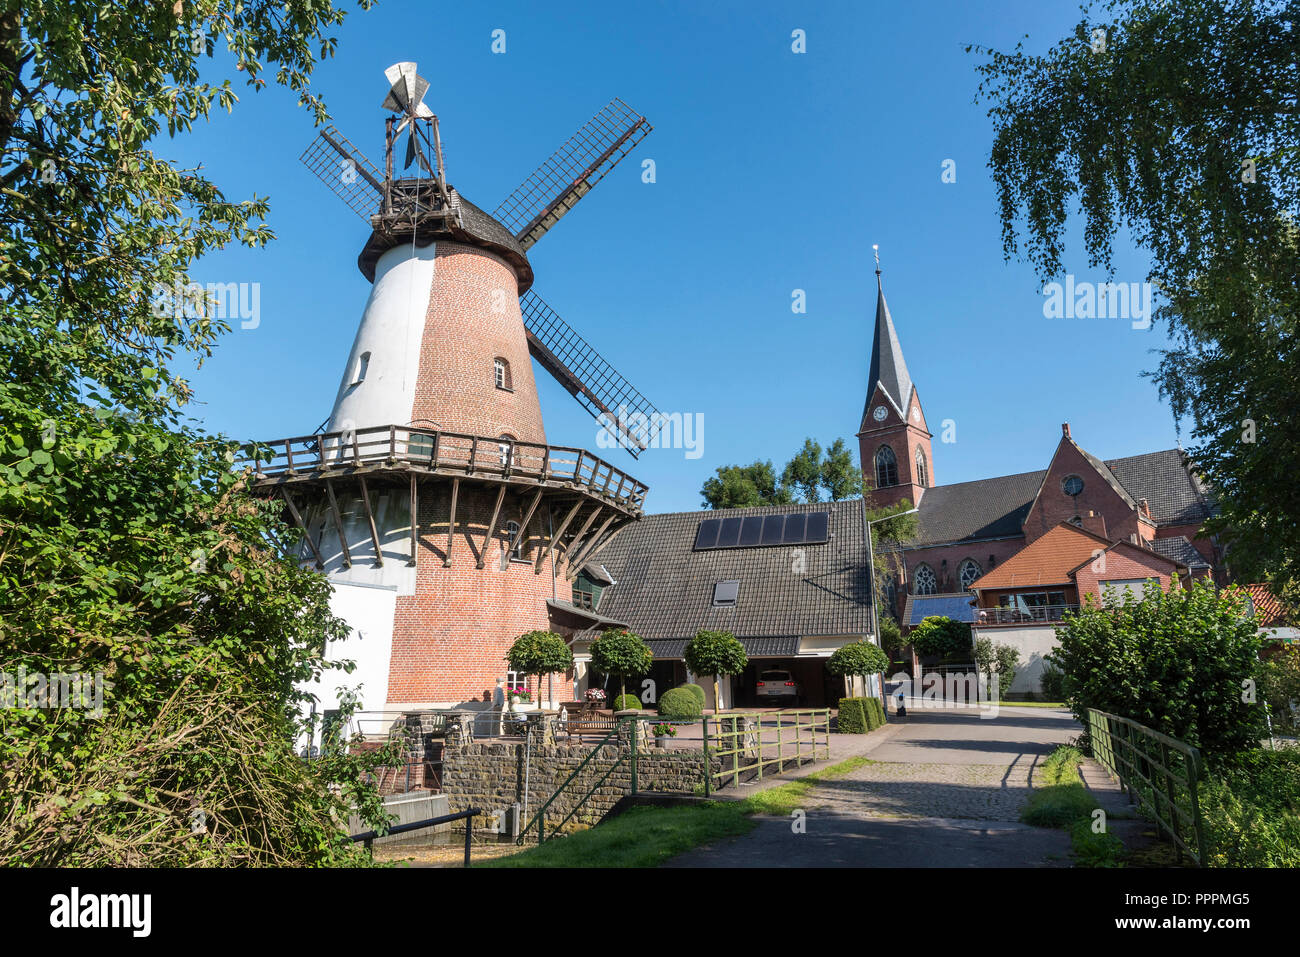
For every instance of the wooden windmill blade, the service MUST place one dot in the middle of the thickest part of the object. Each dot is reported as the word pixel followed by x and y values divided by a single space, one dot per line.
pixel 345 170
pixel 555 187
pixel 584 373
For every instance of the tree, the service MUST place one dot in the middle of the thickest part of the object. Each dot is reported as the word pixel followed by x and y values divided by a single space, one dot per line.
pixel 859 659
pixel 803 478
pixel 803 473
pixel 745 486
pixel 1178 123
pixel 887 540
pixel 540 653
pixel 840 477
pixel 941 636
pixel 996 662
pixel 620 652
pixel 1183 662
pixel 130 549
pixel 891 635
pixel 715 653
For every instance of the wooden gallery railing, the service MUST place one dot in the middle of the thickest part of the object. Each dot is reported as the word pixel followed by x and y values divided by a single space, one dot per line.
pixel 449 453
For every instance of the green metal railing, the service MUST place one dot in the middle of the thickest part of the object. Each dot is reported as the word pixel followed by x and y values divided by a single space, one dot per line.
pixel 540 817
pixel 1161 773
pixel 761 740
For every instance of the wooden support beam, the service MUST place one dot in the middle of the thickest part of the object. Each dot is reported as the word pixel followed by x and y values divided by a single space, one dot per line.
pixel 555 539
pixel 415 524
pixel 523 526
pixel 591 556
pixel 573 545
pixel 451 522
pixel 306 532
pixel 581 558
pixel 370 517
pixel 487 535
pixel 338 524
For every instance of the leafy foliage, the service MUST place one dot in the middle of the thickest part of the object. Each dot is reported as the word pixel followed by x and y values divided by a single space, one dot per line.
pixel 891 636
pixel 1000 661
pixel 539 653
pixel 1279 685
pixel 619 652
pixel 1250 805
pixel 860 658
pixel 715 653
pixel 803 478
pixel 1181 127
pixel 680 704
pixel 129 546
pixel 859 715
pixel 1175 661
pixel 941 636
pixel 627 702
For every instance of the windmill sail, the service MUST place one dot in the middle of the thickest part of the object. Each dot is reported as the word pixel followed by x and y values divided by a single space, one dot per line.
pixel 556 186
pixel 629 416
pixel 345 170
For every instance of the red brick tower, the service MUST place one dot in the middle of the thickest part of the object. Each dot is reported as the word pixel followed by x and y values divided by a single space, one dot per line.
pixel 893 440
pixel 431 499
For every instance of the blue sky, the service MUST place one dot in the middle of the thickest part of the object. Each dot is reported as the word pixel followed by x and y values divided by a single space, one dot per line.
pixel 776 171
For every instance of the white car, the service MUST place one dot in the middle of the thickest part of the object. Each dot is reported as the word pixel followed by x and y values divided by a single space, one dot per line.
pixel 777 685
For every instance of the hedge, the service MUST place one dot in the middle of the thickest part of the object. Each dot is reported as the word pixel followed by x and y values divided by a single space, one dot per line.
pixel 860 715
pixel 697 691
pixel 627 702
pixel 680 703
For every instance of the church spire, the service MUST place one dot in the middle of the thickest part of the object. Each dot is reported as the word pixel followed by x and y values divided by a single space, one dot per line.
pixel 887 365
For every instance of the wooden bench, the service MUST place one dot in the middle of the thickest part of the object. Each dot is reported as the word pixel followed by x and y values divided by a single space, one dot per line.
pixel 583 720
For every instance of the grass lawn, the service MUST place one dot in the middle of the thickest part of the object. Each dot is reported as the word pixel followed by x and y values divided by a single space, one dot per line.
pixel 1061 800
pixel 648 836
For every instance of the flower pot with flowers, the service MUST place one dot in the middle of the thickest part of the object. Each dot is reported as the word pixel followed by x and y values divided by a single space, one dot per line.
pixel 521 699
pixel 663 732
pixel 596 697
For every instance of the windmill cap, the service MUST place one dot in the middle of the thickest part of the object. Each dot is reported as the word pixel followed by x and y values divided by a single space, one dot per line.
pixel 476 228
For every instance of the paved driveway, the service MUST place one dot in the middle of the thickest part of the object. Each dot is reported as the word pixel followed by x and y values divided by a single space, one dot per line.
pixel 945 789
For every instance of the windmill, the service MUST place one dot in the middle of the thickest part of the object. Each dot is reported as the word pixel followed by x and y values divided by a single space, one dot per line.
pixel 431 498
pixel 398 209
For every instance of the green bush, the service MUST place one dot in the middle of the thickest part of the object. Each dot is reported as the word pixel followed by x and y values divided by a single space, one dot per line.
pixel 1174 661
pixel 860 658
pixel 680 704
pixel 1053 681
pixel 698 692
pixel 627 702
pixel 1250 805
pixel 860 715
pixel 941 636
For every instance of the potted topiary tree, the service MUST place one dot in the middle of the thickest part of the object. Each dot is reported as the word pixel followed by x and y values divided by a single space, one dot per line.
pixel 619 652
pixel 715 653
pixel 540 653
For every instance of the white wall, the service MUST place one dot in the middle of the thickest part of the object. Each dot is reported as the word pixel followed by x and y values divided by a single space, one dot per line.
pixel 392 511
pixel 1032 641
pixel 391 330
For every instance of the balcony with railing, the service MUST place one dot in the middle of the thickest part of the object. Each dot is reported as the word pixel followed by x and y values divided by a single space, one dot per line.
pixel 443 453
pixel 1022 615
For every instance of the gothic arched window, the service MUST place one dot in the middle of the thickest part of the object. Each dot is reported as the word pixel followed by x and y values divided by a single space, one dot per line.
pixel 923 580
pixel 922 471
pixel 886 467
pixel 968 572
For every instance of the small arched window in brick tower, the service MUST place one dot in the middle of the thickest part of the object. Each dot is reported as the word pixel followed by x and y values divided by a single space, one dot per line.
pixel 886 467
pixel 501 370
pixel 922 469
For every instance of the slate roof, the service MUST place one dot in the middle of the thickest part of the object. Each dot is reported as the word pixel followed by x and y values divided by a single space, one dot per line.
pixel 665 588
pixel 787 646
pixel 1180 550
pixel 996 507
pixel 887 365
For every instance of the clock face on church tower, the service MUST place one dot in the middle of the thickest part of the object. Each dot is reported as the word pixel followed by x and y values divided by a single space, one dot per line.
pixel 879 413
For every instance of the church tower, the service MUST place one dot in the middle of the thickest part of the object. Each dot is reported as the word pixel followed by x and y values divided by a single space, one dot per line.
pixel 893 440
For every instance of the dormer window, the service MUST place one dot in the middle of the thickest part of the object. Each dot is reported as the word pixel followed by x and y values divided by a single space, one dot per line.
pixel 501 372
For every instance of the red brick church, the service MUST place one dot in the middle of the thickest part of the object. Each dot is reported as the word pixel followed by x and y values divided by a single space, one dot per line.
pixel 1014 551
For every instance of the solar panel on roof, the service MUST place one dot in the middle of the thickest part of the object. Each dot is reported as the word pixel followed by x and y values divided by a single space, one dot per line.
pixel 707 536
pixel 751 530
pixel 773 529
pixel 794 529
pixel 729 533
pixel 818 523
